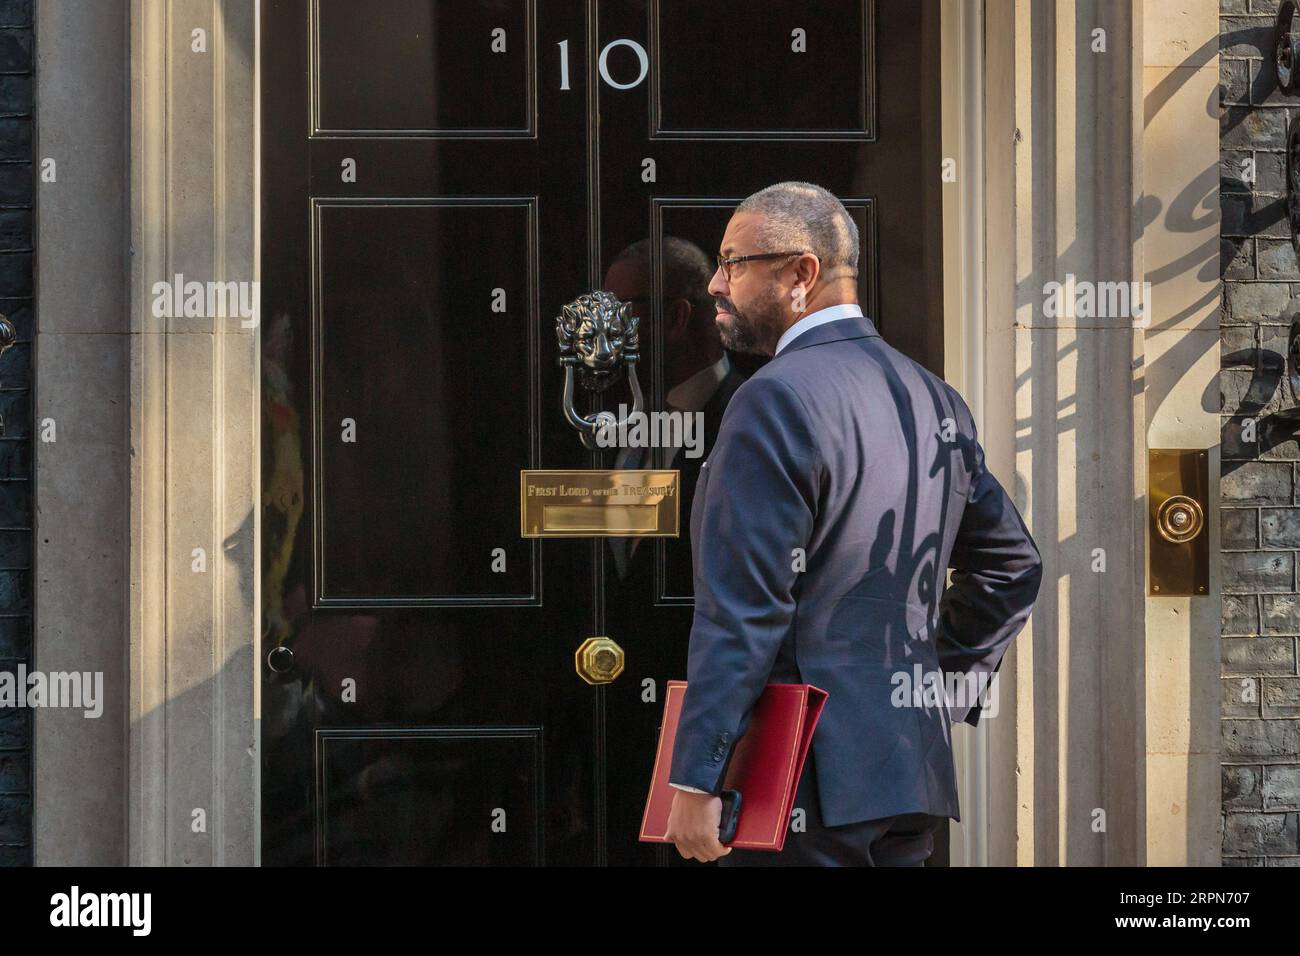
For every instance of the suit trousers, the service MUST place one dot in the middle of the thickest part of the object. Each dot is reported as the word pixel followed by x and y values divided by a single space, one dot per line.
pixel 906 839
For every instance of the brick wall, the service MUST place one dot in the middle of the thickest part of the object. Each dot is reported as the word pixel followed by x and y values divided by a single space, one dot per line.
pixel 16 185
pixel 1261 477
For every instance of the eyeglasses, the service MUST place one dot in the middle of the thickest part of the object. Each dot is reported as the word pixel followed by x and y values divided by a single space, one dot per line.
pixel 726 262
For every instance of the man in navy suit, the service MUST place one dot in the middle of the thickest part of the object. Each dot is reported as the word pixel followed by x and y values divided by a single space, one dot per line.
pixel 846 478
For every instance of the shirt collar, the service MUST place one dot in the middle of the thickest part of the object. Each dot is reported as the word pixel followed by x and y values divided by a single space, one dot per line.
pixel 694 393
pixel 844 310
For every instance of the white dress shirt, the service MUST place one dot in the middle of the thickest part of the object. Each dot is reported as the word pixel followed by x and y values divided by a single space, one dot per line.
pixel 810 321
pixel 820 317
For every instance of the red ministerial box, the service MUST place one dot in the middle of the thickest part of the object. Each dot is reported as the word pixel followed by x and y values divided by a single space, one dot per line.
pixel 765 765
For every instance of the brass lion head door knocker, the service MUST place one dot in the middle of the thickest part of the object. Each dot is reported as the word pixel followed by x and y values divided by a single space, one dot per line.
pixel 598 339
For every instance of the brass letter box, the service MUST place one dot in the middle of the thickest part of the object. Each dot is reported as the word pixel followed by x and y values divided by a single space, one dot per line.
pixel 598 503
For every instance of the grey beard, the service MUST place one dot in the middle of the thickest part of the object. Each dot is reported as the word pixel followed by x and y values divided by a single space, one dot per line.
pixel 751 336
pixel 740 338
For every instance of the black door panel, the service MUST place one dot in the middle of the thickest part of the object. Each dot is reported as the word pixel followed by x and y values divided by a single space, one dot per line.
pixel 439 178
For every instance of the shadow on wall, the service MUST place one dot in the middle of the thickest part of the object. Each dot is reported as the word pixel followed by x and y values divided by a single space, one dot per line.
pixel 1069 745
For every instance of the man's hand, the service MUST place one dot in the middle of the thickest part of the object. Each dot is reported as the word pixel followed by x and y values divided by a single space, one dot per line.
pixel 693 825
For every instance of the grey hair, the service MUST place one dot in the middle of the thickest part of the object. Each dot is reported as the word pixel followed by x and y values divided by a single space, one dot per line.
pixel 805 216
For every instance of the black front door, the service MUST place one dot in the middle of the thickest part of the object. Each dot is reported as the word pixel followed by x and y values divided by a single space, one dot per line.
pixel 439 179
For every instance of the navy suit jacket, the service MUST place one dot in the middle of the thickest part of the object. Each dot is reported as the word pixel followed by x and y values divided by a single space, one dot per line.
pixel 845 480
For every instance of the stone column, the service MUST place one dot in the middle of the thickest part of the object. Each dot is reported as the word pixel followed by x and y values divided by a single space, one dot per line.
pixel 194 439
pixel 1180 216
pixel 1097 763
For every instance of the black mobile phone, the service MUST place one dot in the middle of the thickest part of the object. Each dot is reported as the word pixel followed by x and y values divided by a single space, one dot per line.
pixel 730 816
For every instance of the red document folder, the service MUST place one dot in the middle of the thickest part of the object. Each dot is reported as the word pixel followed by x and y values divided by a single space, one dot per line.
pixel 765 765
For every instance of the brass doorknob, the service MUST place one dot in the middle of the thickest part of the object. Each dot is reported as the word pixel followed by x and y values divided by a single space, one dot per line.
pixel 598 660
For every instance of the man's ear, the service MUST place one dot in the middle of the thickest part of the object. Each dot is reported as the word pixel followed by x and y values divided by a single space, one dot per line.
pixel 677 316
pixel 808 271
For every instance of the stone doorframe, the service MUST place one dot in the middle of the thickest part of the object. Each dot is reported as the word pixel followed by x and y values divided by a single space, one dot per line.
pixel 1109 700
pixel 147 503
pixel 1098 130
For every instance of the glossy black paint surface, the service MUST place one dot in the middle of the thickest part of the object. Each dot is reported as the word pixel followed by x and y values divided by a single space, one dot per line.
pixel 432 714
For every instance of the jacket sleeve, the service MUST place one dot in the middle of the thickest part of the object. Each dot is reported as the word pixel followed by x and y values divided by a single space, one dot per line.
pixel 759 502
pixel 996 573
